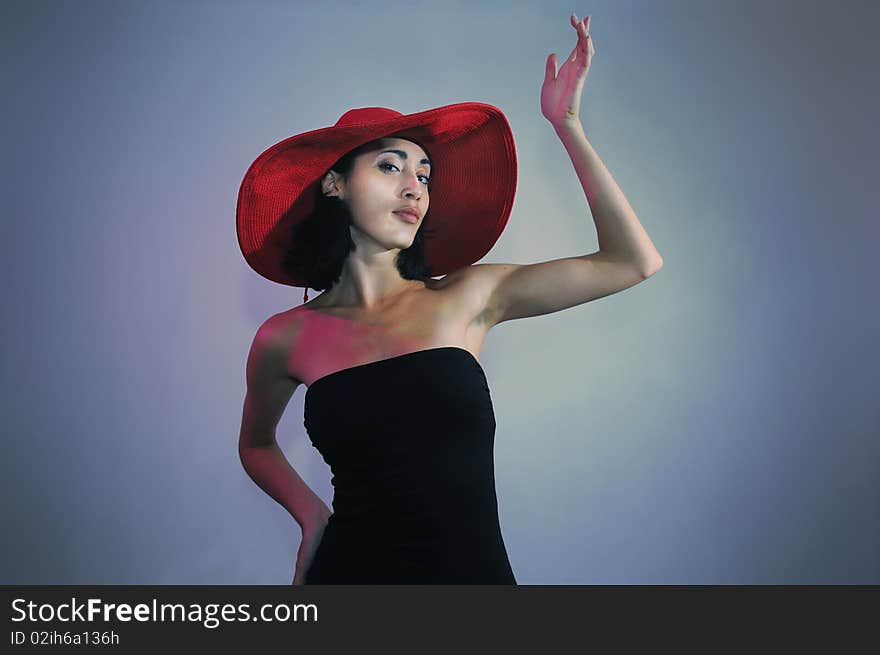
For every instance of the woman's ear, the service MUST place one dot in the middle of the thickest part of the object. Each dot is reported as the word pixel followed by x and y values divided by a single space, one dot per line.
pixel 330 185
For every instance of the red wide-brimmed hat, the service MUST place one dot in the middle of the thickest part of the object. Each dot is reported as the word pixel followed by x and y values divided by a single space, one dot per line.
pixel 473 182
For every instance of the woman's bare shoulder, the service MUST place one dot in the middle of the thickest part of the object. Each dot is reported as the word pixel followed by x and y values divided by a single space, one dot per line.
pixel 470 284
pixel 279 332
pixel 280 325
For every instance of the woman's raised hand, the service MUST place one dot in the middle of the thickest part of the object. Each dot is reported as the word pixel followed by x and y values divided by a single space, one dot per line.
pixel 561 92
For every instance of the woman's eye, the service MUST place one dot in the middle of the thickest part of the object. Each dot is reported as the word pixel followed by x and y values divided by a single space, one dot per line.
pixel 384 164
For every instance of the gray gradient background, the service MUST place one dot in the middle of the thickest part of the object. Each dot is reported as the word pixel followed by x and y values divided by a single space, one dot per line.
pixel 715 424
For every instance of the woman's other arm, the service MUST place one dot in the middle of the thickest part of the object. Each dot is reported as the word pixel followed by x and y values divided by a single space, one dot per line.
pixel 269 388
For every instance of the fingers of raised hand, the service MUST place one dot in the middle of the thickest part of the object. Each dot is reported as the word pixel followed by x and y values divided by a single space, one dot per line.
pixel 583 30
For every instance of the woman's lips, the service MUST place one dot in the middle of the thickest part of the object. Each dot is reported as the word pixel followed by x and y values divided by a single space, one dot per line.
pixel 408 217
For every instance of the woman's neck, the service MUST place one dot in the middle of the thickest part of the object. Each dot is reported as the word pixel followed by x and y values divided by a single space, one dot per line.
pixel 368 294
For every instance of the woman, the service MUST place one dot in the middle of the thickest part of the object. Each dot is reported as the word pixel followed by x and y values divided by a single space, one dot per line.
pixel 372 209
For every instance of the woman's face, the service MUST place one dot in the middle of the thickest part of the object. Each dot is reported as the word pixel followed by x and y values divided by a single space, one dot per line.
pixel 381 182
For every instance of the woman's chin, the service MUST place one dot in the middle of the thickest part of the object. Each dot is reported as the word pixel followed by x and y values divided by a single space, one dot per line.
pixel 402 244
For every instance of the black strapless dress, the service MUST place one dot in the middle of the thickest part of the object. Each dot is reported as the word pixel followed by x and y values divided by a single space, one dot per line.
pixel 409 441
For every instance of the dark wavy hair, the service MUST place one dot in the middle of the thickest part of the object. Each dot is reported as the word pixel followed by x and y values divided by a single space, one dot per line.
pixel 322 241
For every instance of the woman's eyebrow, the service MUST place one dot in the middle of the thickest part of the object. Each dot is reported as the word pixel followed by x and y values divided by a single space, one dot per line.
pixel 402 155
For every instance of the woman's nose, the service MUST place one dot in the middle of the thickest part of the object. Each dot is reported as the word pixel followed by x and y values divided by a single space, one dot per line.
pixel 413 187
